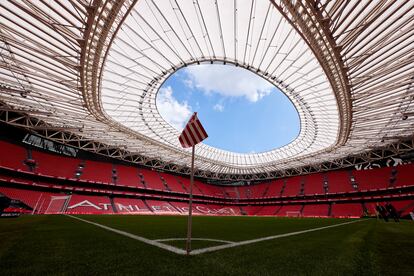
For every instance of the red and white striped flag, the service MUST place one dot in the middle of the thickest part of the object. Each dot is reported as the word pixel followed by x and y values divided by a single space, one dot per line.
pixel 193 133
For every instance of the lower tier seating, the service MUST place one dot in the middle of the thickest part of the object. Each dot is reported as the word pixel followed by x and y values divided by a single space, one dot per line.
pixel 81 204
pixel 39 201
pixel 347 210
pixel 131 206
pixel 315 210
pixel 52 203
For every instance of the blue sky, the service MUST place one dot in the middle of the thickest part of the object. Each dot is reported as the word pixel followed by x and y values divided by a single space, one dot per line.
pixel 240 111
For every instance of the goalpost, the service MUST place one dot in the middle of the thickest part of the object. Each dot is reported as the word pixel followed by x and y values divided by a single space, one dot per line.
pixel 293 214
pixel 58 204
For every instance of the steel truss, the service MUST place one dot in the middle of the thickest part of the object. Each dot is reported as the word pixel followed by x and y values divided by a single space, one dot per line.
pixel 400 146
pixel 57 59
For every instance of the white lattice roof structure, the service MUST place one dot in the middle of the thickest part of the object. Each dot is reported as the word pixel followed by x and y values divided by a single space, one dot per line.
pixel 86 73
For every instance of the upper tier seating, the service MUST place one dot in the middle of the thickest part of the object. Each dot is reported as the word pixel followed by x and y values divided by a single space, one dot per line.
pixel 186 183
pixel 314 184
pixel 275 188
pixel 55 165
pixel 172 183
pixel 253 191
pixel 292 187
pixel 373 179
pixel 405 175
pixel 339 182
pixel 210 190
pixel 231 192
pixel 97 171
pixel 128 176
pixel 152 180
pixel 12 156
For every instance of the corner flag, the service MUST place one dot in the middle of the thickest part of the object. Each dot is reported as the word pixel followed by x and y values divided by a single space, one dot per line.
pixel 193 133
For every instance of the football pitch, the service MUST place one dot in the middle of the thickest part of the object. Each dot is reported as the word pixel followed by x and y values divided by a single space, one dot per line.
pixel 134 245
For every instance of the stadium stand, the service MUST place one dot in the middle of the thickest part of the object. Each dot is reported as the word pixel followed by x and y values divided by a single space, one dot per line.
pixel 253 191
pixel 172 183
pixel 275 188
pixel 46 164
pixel 97 172
pixel 37 200
pixel 373 178
pixel 404 176
pixel 165 193
pixel 350 210
pixel 131 206
pixel 82 204
pixel 292 187
pixel 207 189
pixel 339 182
pixel 162 207
pixel 317 210
pixel 314 184
pixel 267 211
pixel 16 155
pixel 152 180
pixel 128 176
pixel 290 210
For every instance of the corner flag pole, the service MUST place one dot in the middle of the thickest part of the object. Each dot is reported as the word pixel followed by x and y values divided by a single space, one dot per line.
pixel 190 207
pixel 192 134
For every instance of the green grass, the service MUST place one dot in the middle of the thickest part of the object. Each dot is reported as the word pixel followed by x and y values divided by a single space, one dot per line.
pixel 42 245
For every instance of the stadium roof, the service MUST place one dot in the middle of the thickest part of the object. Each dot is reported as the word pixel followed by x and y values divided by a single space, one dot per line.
pixel 87 73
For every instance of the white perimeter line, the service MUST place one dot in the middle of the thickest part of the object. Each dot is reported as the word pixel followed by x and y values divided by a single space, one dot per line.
pixel 220 247
pixel 193 239
pixel 208 249
pixel 135 237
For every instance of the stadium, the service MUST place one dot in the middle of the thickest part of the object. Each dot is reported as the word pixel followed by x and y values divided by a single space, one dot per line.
pixel 94 178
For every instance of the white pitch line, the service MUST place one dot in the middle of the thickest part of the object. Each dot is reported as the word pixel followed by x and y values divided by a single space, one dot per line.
pixel 208 249
pixel 135 237
pixel 224 246
pixel 193 239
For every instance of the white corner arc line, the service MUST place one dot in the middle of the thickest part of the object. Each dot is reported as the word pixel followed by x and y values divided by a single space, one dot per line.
pixel 193 239
pixel 135 237
pixel 224 246
pixel 179 251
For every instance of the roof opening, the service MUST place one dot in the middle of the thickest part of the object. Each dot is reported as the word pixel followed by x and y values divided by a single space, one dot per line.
pixel 241 111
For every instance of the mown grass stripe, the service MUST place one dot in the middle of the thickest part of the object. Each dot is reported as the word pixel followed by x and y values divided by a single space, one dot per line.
pixel 228 244
pixel 236 244
pixel 135 237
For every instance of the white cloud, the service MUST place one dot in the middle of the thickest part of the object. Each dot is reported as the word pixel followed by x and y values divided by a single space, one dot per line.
pixel 189 83
pixel 218 107
pixel 229 81
pixel 174 112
